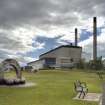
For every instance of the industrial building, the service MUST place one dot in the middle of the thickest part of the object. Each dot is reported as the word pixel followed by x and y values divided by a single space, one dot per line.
pixel 64 56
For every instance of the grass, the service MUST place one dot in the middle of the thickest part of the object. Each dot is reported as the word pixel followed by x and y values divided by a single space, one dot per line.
pixel 53 88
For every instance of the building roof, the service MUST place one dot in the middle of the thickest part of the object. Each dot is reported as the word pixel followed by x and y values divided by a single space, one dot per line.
pixel 67 46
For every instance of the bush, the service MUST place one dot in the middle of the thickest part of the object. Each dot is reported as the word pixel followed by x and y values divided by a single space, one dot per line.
pixel 96 65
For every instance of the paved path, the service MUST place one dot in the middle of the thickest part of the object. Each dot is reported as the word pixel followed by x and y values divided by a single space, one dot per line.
pixel 90 97
pixel 103 96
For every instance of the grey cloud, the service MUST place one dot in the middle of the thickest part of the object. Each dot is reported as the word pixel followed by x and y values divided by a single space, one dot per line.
pixel 3 54
pixel 37 12
pixel 16 13
pixel 101 50
pixel 12 47
pixel 7 43
pixel 88 50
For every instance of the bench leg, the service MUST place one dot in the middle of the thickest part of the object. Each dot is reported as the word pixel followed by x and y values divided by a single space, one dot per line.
pixel 80 95
pixel 84 95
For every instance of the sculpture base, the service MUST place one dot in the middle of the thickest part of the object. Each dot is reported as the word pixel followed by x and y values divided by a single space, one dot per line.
pixel 27 84
pixel 12 81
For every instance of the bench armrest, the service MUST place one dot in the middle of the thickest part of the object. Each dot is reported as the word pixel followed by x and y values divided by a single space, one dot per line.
pixel 83 84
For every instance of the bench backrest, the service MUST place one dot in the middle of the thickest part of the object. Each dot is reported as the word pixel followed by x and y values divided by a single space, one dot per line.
pixel 77 85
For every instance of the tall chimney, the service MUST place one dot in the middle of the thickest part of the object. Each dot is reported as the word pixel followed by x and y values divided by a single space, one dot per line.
pixel 94 38
pixel 76 33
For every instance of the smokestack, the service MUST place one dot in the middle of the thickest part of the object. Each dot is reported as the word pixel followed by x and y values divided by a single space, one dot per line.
pixel 76 33
pixel 94 38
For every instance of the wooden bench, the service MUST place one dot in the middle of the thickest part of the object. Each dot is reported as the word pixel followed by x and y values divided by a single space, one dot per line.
pixel 80 88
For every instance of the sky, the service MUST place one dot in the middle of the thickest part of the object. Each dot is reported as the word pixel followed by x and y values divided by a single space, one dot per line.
pixel 29 28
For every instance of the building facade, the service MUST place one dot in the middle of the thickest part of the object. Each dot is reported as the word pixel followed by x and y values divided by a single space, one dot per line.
pixel 63 57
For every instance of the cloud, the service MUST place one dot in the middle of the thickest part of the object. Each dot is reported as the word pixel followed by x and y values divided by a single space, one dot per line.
pixel 45 13
pixel 88 45
pixel 16 43
pixel 22 21
pixel 19 40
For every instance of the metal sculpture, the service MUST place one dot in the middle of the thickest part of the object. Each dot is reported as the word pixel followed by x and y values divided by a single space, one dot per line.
pixel 15 65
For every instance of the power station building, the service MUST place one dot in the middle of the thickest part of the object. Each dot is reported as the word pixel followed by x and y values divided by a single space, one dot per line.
pixel 64 56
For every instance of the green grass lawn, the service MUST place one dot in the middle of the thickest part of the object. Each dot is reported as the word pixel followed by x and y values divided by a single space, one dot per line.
pixel 53 88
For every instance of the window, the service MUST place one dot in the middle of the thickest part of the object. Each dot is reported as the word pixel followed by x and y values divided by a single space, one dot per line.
pixel 65 60
pixel 50 61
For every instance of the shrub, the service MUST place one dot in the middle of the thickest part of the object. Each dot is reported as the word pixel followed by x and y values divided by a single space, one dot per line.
pixel 96 65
